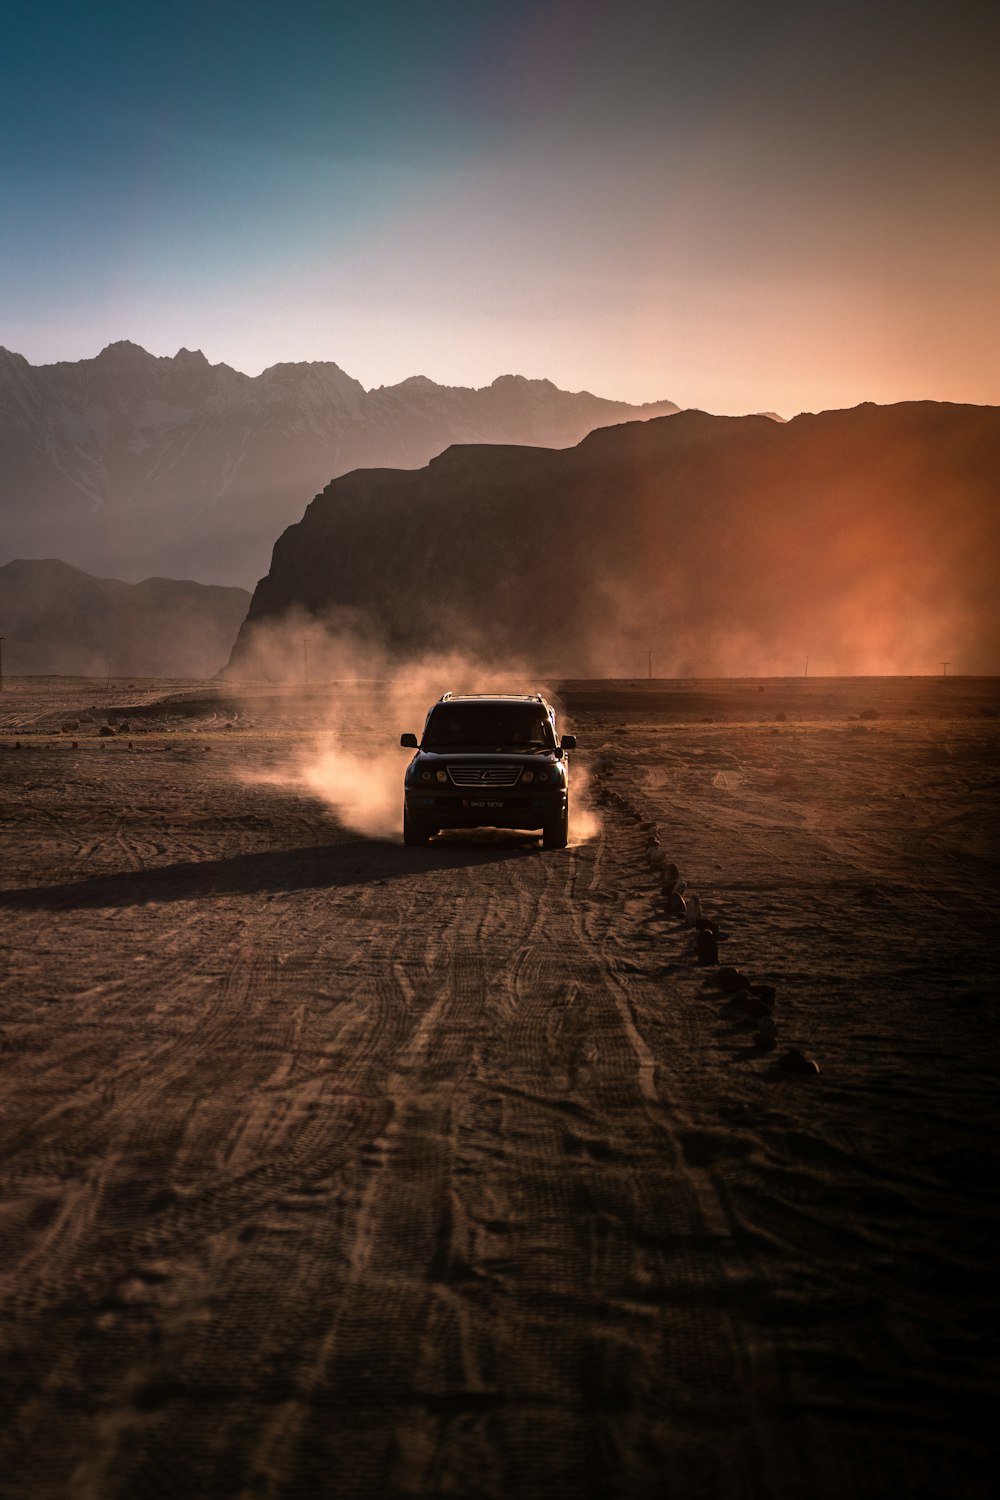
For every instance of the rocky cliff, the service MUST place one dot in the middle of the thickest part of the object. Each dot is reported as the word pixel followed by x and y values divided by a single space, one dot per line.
pixel 130 464
pixel 864 539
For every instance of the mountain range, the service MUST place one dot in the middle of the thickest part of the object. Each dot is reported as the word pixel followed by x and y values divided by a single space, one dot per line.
pixel 865 539
pixel 129 464
pixel 57 619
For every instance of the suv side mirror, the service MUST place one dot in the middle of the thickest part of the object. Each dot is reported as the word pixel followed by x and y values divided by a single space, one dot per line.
pixel 408 741
pixel 568 742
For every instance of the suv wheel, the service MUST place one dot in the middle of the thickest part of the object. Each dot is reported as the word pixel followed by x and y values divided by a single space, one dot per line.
pixel 416 833
pixel 555 833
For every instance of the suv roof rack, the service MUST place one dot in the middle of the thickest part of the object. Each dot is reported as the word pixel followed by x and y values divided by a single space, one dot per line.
pixel 495 697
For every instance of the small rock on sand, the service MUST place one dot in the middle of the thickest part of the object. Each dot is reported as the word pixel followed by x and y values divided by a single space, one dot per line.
pixel 751 1005
pixel 794 1061
pixel 708 948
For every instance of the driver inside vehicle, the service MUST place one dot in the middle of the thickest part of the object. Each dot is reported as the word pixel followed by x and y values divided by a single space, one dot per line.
pixel 532 733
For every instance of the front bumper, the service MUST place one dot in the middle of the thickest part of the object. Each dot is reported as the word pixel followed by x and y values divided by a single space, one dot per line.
pixel 490 808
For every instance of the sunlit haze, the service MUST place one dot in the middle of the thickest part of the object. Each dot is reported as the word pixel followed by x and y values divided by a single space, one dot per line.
pixel 784 207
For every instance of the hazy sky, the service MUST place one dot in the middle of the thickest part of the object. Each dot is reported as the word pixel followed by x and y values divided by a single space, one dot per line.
pixel 777 206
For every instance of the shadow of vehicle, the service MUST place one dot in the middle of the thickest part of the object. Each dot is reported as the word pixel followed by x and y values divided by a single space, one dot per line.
pixel 359 863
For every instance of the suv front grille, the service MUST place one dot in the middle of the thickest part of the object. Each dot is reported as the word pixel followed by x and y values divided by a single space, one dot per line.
pixel 484 775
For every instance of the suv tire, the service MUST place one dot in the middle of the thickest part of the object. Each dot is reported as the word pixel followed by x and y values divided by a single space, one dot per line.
pixel 416 833
pixel 555 833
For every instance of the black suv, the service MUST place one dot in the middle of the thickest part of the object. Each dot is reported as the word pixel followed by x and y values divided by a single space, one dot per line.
pixel 488 762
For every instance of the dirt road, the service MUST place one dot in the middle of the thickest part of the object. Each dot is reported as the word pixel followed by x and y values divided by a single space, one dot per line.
pixel 333 1168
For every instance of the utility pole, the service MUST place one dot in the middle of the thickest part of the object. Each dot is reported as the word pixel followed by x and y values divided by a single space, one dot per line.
pixel 807 666
pixel 649 655
pixel 944 666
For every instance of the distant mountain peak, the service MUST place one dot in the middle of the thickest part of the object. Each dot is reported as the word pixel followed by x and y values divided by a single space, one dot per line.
pixel 521 382
pixel 314 377
pixel 25 567
pixel 123 350
pixel 415 383
pixel 172 464
pixel 302 367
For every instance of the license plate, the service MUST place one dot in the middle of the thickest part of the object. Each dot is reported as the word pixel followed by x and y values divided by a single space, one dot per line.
pixel 483 802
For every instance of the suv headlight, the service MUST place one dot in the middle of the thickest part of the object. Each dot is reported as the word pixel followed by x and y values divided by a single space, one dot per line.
pixel 441 775
pixel 527 775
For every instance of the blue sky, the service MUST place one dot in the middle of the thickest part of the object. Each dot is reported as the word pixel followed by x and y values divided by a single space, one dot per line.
pixel 787 206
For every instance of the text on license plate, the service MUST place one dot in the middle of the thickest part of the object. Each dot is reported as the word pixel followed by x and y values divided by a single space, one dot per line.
pixel 483 802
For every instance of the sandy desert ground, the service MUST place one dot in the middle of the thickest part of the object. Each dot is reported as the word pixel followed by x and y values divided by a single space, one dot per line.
pixel 332 1168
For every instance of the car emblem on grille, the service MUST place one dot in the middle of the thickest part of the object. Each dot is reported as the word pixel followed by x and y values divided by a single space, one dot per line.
pixel 484 775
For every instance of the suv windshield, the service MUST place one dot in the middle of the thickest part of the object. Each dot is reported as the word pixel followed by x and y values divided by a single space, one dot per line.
pixel 488 726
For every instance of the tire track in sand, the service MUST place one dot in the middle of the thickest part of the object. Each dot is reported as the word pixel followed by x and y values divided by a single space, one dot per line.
pixel 440 1212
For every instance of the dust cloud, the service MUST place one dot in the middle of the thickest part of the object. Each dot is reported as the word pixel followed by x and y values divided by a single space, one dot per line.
pixel 350 757
pixel 863 613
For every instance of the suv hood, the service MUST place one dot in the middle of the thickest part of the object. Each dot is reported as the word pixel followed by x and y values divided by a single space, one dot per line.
pixel 459 756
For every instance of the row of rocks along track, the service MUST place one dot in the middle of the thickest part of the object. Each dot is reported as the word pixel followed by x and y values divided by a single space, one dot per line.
pixel 334 1168
pixel 745 1001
